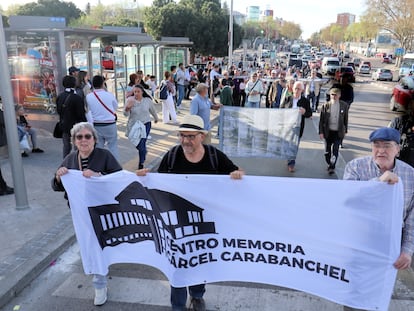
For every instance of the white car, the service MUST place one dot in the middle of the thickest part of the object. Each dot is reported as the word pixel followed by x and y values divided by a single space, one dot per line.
pixel 364 69
pixel 382 74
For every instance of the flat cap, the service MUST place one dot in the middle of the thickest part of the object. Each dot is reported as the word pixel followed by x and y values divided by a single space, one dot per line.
pixel 385 134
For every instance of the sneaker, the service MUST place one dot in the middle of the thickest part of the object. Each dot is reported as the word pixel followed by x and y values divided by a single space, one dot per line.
pixel 198 304
pixel 100 296
pixel 333 160
pixel 24 154
pixel 37 150
pixel 331 171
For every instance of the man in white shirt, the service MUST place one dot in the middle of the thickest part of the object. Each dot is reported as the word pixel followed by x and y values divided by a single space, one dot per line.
pixel 180 80
pixel 254 90
pixel 103 106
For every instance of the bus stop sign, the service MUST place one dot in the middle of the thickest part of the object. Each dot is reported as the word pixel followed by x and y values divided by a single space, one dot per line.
pixel 399 52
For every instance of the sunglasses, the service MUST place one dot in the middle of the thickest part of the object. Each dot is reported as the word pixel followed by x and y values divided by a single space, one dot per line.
pixel 86 136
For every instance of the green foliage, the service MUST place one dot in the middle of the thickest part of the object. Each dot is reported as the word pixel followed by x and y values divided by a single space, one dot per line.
pixel 395 16
pixel 114 15
pixel 271 28
pixel 203 21
pixel 49 8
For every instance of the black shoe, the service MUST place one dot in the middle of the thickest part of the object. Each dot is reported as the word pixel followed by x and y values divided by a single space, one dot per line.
pixel 331 171
pixel 37 150
pixel 140 166
pixel 24 154
pixel 198 304
pixel 7 190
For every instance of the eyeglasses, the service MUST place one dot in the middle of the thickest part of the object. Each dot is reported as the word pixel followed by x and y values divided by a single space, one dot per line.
pixel 86 136
pixel 190 137
pixel 385 146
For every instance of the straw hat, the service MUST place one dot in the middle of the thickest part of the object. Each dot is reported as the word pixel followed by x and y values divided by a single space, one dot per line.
pixel 192 123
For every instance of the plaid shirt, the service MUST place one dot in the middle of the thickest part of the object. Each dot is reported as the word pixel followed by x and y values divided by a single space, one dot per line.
pixel 366 169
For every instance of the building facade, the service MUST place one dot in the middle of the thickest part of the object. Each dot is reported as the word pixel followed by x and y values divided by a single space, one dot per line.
pixel 345 19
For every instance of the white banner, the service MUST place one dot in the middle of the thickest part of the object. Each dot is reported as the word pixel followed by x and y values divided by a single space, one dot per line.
pixel 258 132
pixel 334 239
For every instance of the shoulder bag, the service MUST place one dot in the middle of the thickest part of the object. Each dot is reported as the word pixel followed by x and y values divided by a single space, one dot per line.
pixel 102 103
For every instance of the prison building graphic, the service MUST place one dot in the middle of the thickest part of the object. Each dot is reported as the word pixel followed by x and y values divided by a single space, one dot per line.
pixel 147 214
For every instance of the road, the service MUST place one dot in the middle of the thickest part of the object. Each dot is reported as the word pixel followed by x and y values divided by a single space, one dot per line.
pixel 63 286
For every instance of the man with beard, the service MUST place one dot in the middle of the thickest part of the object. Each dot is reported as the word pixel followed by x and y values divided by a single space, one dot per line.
pixel 191 156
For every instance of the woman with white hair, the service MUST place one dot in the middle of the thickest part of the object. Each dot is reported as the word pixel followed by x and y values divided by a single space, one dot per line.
pixel 93 162
pixel 297 101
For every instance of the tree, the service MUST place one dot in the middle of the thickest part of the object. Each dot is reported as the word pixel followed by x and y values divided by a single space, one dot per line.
pixel 114 15
pixel 204 22
pixel 395 16
pixel 315 39
pixel 290 30
pixel 67 10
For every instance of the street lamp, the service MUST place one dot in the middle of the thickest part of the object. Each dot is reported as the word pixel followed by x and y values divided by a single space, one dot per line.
pixel 230 62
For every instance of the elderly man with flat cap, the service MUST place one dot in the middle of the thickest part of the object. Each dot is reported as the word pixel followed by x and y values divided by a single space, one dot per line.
pixel 383 166
pixel 191 156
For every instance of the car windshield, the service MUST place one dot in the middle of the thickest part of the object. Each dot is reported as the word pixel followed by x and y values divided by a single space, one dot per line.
pixel 333 63
pixel 408 81
pixel 385 70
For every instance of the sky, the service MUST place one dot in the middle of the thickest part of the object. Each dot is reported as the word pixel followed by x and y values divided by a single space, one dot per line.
pixel 311 15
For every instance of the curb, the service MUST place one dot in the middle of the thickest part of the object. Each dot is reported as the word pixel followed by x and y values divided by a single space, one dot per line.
pixel 22 267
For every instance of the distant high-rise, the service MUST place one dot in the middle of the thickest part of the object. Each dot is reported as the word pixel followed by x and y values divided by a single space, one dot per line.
pixel 345 19
pixel 253 13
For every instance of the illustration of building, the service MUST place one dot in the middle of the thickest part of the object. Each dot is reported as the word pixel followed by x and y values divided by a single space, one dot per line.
pixel 147 214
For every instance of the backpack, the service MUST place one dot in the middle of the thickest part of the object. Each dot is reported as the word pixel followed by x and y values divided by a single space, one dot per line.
pixel 163 91
pixel 212 152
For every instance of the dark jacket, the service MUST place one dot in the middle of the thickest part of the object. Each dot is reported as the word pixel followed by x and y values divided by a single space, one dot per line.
pixel 342 121
pixel 71 110
pixel 302 103
pixel 100 160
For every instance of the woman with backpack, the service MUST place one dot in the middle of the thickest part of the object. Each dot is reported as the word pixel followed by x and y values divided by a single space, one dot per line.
pixel 167 94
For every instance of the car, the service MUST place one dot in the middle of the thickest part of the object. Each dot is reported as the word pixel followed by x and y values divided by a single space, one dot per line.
pixel 345 71
pixel 330 65
pixel 366 63
pixel 402 94
pixel 382 74
pixel 356 61
pixel 386 60
pixel 364 69
pixel 350 64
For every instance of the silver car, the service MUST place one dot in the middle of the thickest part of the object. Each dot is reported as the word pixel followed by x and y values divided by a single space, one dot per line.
pixel 382 74
pixel 364 69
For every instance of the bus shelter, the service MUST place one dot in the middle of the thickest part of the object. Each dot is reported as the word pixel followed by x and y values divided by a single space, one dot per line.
pixel 40 50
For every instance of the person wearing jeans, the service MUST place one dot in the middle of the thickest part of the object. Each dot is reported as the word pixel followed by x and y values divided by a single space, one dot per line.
pixel 296 100
pixel 180 78
pixel 139 109
pixel 254 89
pixel 102 106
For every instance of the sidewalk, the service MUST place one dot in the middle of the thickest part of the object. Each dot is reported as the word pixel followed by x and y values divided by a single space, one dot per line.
pixel 35 237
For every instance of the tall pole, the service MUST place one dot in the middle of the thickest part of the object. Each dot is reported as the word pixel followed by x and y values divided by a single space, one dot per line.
pixel 230 63
pixel 11 128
